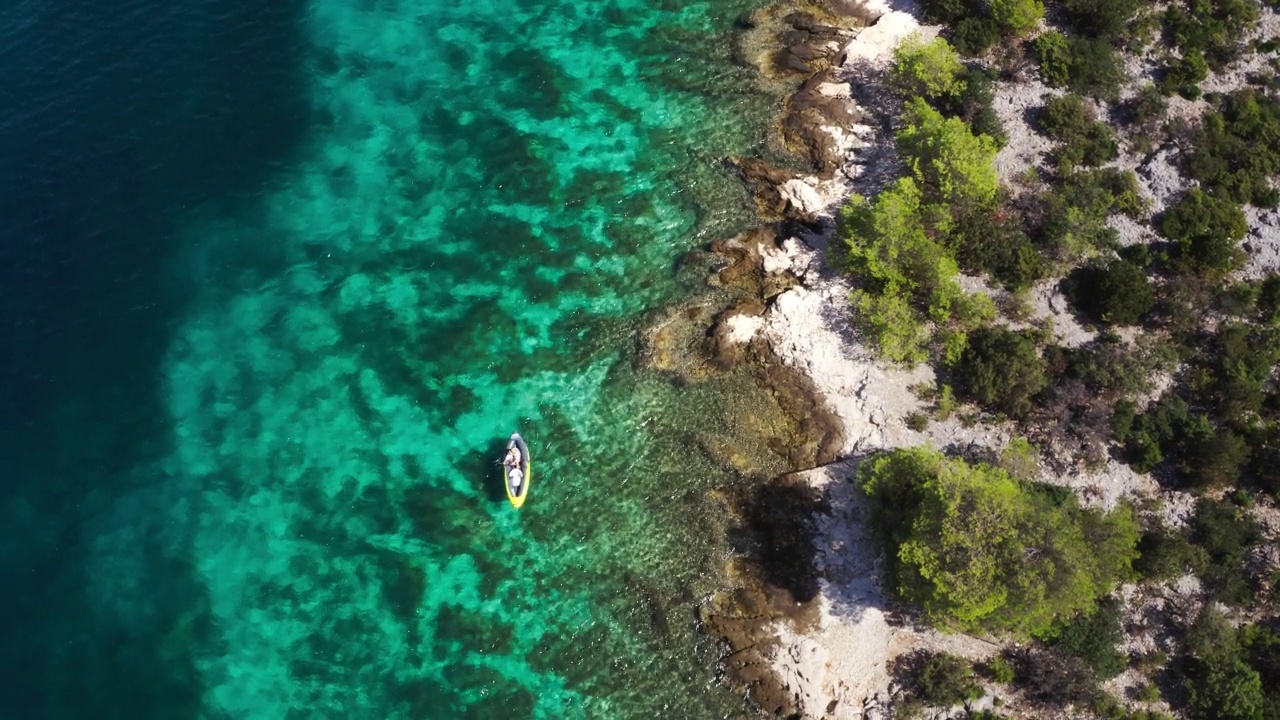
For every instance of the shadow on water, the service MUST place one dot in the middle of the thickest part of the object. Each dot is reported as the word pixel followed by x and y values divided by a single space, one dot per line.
pixel 486 467
pixel 118 119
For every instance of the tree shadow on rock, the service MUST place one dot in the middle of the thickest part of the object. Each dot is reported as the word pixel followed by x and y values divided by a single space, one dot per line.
pixel 778 516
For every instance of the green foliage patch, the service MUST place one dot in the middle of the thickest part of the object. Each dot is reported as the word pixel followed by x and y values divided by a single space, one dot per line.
pixel 1212 28
pixel 893 244
pixel 945 680
pixel 1237 149
pixel 1114 293
pixel 1092 637
pixel 977 549
pixel 1208 231
pixel 1001 370
pixel 1089 66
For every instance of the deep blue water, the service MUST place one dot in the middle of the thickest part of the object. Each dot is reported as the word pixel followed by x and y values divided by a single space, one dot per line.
pixel 114 118
pixel 274 279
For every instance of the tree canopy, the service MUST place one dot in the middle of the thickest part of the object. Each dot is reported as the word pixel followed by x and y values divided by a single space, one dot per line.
pixel 948 160
pixel 978 549
pixel 927 69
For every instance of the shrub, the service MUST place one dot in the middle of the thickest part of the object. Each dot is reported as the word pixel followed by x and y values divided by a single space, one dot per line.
pixel 999 670
pixel 1235 152
pixel 1092 637
pixel 917 421
pixel 930 70
pixel 977 549
pixel 1053 51
pixel 1110 366
pixel 1264 460
pixel 1016 17
pixel 991 241
pixel 1122 419
pixel 1213 28
pixel 1164 554
pixel 975 105
pixel 945 680
pixel 1225 533
pixel 1208 230
pixel 1055 679
pixel 1183 75
pixel 948 12
pixel 1117 293
pixel 1065 116
pixel 1094 68
pixel 1070 220
pixel 974 35
pixel 1149 693
pixel 1001 370
pixel 1225 688
pixel 1269 299
pixel 1237 365
pixel 1146 107
pixel 1100 19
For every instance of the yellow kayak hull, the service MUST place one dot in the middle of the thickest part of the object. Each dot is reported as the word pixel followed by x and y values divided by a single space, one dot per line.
pixel 517 495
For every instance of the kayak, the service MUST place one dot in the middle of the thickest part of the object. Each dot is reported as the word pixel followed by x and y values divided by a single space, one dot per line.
pixel 517 491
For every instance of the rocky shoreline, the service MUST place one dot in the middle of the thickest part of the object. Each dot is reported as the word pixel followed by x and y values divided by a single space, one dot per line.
pixel 777 313
pixel 807 627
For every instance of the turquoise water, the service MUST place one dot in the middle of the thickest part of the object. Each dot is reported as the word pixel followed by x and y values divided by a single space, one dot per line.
pixel 486 198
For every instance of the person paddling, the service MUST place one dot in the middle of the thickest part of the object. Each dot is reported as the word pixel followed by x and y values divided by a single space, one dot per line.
pixel 513 457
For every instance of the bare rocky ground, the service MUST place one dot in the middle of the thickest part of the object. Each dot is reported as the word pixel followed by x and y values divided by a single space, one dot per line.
pixel 819 639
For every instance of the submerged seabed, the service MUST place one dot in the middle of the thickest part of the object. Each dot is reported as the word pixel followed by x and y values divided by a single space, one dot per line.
pixel 489 195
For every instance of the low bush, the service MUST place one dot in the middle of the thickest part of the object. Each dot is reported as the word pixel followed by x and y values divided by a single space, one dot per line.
pixel 1115 293
pixel 1183 75
pixel 945 680
pixel 1092 637
pixel 1106 20
pixel 1069 221
pixel 974 35
pixel 1225 533
pixel 1208 231
pixel 1016 17
pixel 999 670
pixel 1146 108
pixel 1214 28
pixel 1269 299
pixel 1088 66
pixel 1054 678
pixel 993 242
pixel 975 105
pixel 1053 50
pixel 1233 155
pixel 1165 554
pixel 1001 370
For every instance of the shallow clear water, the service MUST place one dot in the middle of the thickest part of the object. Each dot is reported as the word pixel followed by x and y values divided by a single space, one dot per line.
pixel 475 203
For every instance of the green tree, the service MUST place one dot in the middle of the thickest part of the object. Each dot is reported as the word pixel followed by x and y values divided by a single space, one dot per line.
pixel 903 270
pixel 949 161
pixel 1093 637
pixel 1226 688
pixel 932 70
pixel 978 549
